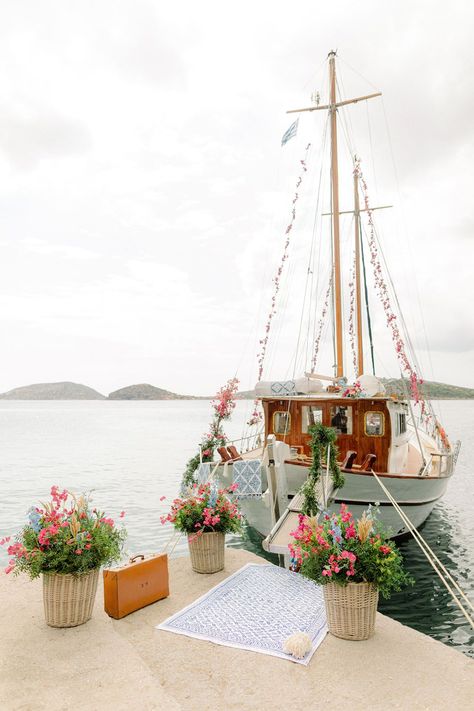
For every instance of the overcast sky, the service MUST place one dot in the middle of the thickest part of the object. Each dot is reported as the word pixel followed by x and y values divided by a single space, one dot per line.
pixel 144 193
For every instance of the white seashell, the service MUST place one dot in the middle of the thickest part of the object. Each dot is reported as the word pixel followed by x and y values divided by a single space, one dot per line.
pixel 298 645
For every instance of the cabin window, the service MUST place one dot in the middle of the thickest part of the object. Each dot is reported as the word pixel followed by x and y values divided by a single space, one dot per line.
pixel 374 424
pixel 341 419
pixel 281 422
pixel 310 415
pixel 401 423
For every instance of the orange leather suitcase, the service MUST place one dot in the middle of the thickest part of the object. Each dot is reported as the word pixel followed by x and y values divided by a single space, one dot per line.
pixel 140 582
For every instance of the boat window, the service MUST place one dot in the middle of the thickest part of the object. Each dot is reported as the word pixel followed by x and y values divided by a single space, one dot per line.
pixel 281 422
pixel 401 423
pixel 341 419
pixel 310 415
pixel 374 424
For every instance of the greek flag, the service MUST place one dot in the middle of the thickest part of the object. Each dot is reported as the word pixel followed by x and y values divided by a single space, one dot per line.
pixel 290 132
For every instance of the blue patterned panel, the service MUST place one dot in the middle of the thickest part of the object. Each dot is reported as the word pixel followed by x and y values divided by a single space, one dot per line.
pixel 247 474
pixel 287 387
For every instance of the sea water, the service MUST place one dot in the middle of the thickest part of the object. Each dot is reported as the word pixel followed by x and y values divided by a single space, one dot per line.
pixel 130 454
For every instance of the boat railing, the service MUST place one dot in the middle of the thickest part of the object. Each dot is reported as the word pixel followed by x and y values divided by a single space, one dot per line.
pixel 444 461
pixel 253 441
pixel 424 471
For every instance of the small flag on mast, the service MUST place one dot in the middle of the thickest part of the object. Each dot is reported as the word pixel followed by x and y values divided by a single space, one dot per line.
pixel 290 132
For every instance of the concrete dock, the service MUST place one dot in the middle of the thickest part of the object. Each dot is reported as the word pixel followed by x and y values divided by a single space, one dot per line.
pixel 128 664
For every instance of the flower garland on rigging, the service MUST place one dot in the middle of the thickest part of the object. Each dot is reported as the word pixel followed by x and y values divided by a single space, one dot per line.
pixel 321 323
pixel 223 405
pixel 256 415
pixel 351 317
pixel 400 348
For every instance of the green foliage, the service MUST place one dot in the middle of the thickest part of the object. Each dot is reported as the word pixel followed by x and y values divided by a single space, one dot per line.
pixel 321 438
pixel 65 536
pixel 223 405
pixel 206 510
pixel 341 550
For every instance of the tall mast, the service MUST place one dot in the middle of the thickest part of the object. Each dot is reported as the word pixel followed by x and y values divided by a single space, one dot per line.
pixel 332 108
pixel 360 346
pixel 335 217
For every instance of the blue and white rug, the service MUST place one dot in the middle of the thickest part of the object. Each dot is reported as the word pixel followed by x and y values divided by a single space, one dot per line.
pixel 256 608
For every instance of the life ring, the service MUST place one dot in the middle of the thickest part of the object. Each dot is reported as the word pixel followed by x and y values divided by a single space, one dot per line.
pixel 443 435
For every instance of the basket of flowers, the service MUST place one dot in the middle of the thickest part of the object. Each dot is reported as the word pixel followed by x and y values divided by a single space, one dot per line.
pixel 354 561
pixel 206 514
pixel 66 542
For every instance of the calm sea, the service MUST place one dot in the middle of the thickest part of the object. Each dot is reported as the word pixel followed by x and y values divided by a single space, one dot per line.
pixel 132 453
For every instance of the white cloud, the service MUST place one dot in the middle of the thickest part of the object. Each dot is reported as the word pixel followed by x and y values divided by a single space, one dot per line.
pixel 144 195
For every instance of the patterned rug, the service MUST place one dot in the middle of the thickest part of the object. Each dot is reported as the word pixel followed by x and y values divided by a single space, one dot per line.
pixel 256 608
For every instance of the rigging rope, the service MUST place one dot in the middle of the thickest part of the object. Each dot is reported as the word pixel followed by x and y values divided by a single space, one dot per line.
pixel 381 285
pixel 352 315
pixel 432 558
pixel 321 322
pixel 256 415
pixel 366 295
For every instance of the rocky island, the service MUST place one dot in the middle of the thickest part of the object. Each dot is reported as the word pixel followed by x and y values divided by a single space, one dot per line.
pixel 53 391
pixel 144 391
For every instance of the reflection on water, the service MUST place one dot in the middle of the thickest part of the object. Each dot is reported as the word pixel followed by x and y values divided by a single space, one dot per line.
pixel 132 453
pixel 428 606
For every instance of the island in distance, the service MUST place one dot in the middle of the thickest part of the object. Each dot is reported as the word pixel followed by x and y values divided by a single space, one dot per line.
pixel 145 391
pixel 76 391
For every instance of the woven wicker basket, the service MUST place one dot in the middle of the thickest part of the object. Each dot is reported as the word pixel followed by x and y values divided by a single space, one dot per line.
pixel 68 599
pixel 351 609
pixel 207 552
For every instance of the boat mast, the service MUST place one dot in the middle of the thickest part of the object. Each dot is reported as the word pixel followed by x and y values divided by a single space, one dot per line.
pixel 335 217
pixel 360 345
pixel 335 212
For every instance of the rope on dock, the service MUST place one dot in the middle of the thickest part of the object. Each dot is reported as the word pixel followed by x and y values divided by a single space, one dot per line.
pixel 433 559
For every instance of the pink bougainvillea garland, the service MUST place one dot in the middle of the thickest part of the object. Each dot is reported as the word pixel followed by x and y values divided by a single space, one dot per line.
pixel 256 416
pixel 382 288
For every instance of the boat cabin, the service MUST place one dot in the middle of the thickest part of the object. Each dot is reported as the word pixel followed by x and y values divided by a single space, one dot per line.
pixel 364 426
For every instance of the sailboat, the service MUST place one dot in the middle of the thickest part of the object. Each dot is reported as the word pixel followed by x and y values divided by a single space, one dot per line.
pixel 391 445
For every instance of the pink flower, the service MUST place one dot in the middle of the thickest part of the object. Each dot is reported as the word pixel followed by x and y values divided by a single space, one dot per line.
pixel 350 532
pixel 385 550
pixel 78 551
pixel 122 514
pixel 162 498
pixel 88 545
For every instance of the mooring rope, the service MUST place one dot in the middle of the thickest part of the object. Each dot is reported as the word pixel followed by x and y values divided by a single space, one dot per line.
pixel 431 556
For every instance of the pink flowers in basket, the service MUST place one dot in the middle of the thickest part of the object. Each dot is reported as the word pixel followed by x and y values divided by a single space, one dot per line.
pixel 340 550
pixel 206 509
pixel 64 535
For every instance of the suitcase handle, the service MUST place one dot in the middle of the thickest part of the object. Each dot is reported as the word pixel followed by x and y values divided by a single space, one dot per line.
pixel 135 557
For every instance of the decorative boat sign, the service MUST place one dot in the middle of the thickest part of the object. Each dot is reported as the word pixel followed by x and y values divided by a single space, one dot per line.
pixel 395 435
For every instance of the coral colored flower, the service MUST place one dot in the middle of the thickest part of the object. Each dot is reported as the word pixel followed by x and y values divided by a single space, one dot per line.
pixel 78 551
pixel 122 514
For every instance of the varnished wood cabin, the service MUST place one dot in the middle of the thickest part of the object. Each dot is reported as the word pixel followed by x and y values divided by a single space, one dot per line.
pixel 363 425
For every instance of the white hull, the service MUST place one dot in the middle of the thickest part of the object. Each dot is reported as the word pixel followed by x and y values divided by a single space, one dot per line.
pixel 416 496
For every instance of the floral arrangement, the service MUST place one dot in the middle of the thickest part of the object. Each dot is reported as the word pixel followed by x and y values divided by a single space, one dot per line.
pixel 223 405
pixel 353 390
pixel 341 550
pixel 64 536
pixel 206 509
